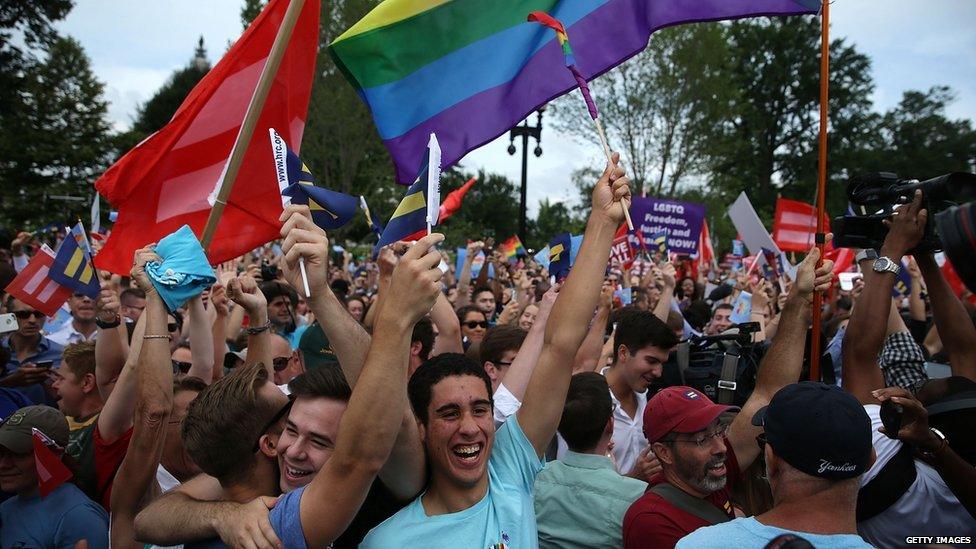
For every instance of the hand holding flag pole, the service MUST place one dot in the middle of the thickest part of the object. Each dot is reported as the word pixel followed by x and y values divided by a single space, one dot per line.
pixel 544 18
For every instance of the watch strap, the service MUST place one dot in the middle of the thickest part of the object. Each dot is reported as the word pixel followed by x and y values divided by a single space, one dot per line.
pixel 866 253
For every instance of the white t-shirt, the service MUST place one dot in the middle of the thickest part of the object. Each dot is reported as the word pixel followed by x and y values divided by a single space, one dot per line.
pixel 628 432
pixel 165 479
pixel 928 508
pixel 68 335
pixel 505 404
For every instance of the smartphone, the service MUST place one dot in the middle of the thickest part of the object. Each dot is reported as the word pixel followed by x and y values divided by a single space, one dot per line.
pixel 847 280
pixel 891 415
pixel 45 364
pixel 8 323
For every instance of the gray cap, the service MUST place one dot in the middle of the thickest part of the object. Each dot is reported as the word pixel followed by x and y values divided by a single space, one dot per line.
pixel 16 432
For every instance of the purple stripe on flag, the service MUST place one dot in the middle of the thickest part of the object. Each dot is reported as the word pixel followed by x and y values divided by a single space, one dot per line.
pixel 484 116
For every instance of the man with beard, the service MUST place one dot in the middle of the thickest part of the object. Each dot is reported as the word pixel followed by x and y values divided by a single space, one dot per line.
pixel 481 482
pixel 82 326
pixel 699 449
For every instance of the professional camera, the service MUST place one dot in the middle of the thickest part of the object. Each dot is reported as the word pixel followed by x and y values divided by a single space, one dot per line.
pixel 877 194
pixel 957 227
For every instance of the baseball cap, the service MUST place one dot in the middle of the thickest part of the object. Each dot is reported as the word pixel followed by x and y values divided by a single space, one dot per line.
pixel 16 435
pixel 680 410
pixel 819 429
pixel 315 347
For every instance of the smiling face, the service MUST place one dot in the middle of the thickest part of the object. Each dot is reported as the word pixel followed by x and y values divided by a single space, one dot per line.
pixel 308 440
pixel 700 466
pixel 641 368
pixel 474 325
pixel 459 432
pixel 279 310
pixel 528 317
pixel 721 321
pixel 485 301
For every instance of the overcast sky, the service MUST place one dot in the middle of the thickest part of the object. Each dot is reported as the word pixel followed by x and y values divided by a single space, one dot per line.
pixel 135 45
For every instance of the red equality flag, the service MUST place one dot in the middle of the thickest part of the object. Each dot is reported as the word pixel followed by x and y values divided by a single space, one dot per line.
pixel 51 471
pixel 167 179
pixel 621 253
pixel 452 203
pixel 35 287
pixel 795 225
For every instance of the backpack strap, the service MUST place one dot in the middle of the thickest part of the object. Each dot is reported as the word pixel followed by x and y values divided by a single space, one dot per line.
pixel 726 382
pixel 893 480
pixel 683 354
pixel 690 504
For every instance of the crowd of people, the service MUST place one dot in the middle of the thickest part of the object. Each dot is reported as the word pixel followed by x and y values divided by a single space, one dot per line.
pixel 403 404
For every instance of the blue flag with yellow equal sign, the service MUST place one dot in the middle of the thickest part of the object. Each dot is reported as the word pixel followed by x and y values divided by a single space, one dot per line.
pixel 660 241
pixel 409 220
pixel 72 268
pixel 330 209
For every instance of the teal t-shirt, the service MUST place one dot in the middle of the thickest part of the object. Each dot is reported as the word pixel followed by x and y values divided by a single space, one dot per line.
pixel 505 517
pixel 749 532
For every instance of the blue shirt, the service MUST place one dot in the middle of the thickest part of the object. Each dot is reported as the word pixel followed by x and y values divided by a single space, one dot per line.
pixel 749 532
pixel 286 519
pixel 295 337
pixel 568 490
pixel 46 350
pixel 61 519
pixel 505 517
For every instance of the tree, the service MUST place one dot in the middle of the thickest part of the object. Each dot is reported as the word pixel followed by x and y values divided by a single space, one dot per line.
pixel 58 143
pixel 553 218
pixel 659 107
pixel 250 10
pixel 769 142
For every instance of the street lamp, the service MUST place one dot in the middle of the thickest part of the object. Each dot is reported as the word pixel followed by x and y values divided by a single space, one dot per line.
pixel 525 131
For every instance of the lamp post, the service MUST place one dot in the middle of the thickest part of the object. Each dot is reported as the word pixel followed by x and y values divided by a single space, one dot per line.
pixel 525 131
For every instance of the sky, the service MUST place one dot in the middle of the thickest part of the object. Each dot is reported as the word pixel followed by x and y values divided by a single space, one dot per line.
pixel 135 45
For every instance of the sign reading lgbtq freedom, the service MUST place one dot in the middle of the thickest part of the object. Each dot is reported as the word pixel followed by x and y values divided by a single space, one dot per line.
pixel 681 220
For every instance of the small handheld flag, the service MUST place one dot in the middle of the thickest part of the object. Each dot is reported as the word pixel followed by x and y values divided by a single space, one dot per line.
pixel 660 241
pixel 433 182
pixel 547 20
pixel 51 471
pixel 408 221
pixel 373 225
pixel 72 268
pixel 35 287
pixel 772 261
pixel 512 248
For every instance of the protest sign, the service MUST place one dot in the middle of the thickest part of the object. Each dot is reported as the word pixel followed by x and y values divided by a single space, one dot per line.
pixel 742 308
pixel 754 233
pixel 681 220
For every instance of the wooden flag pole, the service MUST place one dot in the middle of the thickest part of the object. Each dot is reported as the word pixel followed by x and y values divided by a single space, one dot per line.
pixel 251 116
pixel 606 151
pixel 821 183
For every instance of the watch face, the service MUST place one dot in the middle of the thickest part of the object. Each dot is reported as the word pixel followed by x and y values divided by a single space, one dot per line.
pixel 882 264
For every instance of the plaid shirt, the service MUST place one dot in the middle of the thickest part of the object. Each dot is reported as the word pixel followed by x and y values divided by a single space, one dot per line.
pixel 902 361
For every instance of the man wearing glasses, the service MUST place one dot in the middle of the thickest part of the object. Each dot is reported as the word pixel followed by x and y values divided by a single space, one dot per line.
pixel 32 355
pixel 701 450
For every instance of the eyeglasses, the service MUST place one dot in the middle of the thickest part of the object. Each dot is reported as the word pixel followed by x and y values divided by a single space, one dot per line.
pixel 24 315
pixel 172 326
pixel 280 362
pixel 182 366
pixel 472 324
pixel 704 438
pixel 271 423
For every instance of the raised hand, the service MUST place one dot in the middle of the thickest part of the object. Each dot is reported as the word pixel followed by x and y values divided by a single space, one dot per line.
pixel 107 306
pixel 386 261
pixel 608 193
pixel 304 239
pixel 906 228
pixel 416 280
pixel 138 272
pixel 473 248
pixel 914 422
pixel 218 298
pixel 244 291
pixel 809 277
pixel 668 274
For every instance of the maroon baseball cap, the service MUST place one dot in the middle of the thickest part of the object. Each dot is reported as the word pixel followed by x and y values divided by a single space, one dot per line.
pixel 680 410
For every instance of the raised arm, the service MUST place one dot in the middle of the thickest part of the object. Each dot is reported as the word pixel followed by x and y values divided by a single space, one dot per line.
pixel 404 472
pixel 587 357
pixel 464 279
pixel 954 325
pixel 218 300
pixel 386 261
pixel 244 291
pixel 571 314
pixel 201 339
pixel 865 334
pixel 448 327
pixel 784 360
pixel 916 305
pixel 519 373
pixel 370 425
pixel 112 344
pixel 663 308
pixel 116 415
pixel 154 402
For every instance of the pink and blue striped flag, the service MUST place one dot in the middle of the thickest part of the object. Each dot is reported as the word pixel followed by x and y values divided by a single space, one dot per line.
pixel 468 71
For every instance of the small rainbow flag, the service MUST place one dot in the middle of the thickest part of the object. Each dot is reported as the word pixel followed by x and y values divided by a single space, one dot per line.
pixel 512 248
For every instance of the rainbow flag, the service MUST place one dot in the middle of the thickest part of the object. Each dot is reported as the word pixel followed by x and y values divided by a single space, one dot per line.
pixel 468 71
pixel 512 248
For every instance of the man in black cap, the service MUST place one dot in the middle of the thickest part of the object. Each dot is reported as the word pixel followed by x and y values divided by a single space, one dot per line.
pixel 817 443
pixel 63 517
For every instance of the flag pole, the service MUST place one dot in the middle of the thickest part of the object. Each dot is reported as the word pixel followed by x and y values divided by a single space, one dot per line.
pixel 821 183
pixel 251 116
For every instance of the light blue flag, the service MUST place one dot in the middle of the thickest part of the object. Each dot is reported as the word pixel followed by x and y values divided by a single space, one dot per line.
pixel 742 308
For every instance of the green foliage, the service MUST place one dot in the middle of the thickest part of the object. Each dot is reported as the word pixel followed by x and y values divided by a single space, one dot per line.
pixel 490 209
pixel 58 142
pixel 250 10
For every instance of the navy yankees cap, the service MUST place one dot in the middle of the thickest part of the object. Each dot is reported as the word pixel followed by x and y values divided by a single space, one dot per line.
pixel 819 429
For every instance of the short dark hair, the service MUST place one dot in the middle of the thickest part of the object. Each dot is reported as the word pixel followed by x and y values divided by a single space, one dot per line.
pixel 324 382
pixel 637 329
pixel 423 331
pixel 274 289
pixel 188 383
pixel 721 306
pixel 586 412
pixel 463 312
pixel 421 384
pixel 132 292
pixel 480 289
pixel 499 339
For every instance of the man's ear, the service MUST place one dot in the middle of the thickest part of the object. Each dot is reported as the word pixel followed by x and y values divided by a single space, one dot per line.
pixel 269 445
pixel 421 432
pixel 623 353
pixel 491 370
pixel 663 452
pixel 415 348
pixel 89 383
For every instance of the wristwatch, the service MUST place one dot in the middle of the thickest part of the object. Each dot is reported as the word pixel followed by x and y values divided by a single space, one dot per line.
pixel 866 253
pixel 886 265
pixel 108 325
pixel 942 444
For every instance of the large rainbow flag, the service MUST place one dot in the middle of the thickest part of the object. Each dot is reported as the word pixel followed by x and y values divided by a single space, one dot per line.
pixel 470 70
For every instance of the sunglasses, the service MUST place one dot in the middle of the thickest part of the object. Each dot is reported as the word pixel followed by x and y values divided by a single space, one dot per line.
pixel 24 315
pixel 472 324
pixel 280 362
pixel 182 366
pixel 172 326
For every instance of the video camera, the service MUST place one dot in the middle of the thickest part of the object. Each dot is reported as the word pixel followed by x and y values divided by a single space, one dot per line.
pixel 880 192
